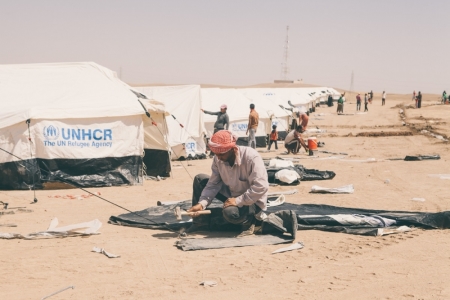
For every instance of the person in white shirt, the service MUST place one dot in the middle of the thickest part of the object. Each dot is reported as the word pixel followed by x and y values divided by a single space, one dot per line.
pixel 383 98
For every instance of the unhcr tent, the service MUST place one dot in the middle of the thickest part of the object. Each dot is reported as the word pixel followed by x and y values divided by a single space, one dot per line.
pixel 185 119
pixel 238 112
pixel 69 122
pixel 269 104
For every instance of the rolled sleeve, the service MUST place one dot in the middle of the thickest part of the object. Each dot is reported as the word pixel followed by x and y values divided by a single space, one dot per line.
pixel 259 184
pixel 213 186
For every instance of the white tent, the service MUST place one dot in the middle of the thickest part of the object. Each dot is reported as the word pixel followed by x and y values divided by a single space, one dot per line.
pixel 185 122
pixel 238 113
pixel 84 126
pixel 269 104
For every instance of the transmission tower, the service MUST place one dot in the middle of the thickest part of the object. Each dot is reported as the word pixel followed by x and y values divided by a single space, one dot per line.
pixel 284 64
pixel 351 84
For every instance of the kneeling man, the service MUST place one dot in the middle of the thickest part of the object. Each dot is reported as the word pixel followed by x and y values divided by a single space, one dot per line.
pixel 238 179
pixel 294 141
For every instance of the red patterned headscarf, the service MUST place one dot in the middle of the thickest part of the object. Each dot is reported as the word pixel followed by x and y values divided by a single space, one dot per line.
pixel 223 141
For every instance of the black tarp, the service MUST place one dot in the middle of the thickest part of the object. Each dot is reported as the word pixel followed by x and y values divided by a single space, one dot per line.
pixel 98 172
pixel 309 216
pixel 157 162
pixel 305 174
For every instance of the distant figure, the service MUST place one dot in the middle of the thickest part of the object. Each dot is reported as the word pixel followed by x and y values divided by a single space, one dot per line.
pixel 358 102
pixel 414 95
pixel 340 107
pixel 371 97
pixel 366 101
pixel 273 138
pixel 330 101
pixel 294 141
pixel 444 97
pixel 253 120
pixel 419 100
pixel 383 98
pixel 222 122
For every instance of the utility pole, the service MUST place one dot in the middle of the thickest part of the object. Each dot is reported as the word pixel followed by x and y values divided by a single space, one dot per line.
pixel 284 64
pixel 351 84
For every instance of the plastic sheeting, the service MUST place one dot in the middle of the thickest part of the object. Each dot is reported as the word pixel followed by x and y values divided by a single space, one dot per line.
pixel 346 189
pixel 304 174
pixel 309 216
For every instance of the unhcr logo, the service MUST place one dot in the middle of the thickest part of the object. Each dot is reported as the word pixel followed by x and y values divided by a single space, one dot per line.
pixel 51 133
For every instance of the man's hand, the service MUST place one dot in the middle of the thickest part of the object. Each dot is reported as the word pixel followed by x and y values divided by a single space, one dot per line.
pixel 202 110
pixel 195 208
pixel 229 202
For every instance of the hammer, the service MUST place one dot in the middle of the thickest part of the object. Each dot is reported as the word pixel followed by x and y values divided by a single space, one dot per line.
pixel 179 213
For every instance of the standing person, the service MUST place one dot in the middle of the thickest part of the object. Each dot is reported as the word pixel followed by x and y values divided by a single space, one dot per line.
pixel 253 120
pixel 358 102
pixel 419 100
pixel 444 97
pixel 371 96
pixel 414 95
pixel 222 122
pixel 340 107
pixel 303 119
pixel 294 141
pixel 273 137
pixel 366 101
pixel 383 98
pixel 238 179
pixel 330 100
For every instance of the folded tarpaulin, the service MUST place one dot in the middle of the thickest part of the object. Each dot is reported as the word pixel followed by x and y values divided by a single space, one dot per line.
pixel 218 243
pixel 80 229
pixel 346 189
pixel 309 216
pixel 304 174
pixel 422 157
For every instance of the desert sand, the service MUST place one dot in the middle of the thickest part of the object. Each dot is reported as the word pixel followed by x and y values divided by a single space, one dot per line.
pixel 413 265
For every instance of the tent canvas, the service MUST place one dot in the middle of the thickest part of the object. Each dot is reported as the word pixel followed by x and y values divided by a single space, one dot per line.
pixel 71 122
pixel 238 111
pixel 185 120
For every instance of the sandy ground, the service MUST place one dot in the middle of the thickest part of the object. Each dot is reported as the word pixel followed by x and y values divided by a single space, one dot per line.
pixel 412 265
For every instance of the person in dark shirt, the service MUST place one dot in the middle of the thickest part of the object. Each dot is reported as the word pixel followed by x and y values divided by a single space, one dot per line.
pixel 222 122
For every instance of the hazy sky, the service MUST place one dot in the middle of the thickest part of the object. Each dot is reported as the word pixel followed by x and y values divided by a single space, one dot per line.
pixel 397 45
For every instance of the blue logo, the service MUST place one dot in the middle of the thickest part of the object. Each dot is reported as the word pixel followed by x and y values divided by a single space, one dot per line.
pixel 238 127
pixel 51 133
pixel 190 146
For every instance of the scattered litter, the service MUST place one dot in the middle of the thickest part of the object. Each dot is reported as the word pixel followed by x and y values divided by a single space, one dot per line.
pixel 77 197
pixel 159 203
pixel 320 144
pixel 418 199
pixel 384 133
pixel 279 201
pixel 333 153
pixel 8 225
pixel 103 251
pixel 210 283
pixel 278 163
pixel 369 160
pixel 80 229
pixel 346 189
pixel 289 192
pixel 57 292
pixel 295 246
pixel 386 231
pixel 157 178
pixel 387 181
pixel 422 157
pixel 287 176
pixel 440 176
